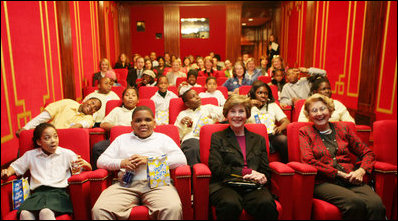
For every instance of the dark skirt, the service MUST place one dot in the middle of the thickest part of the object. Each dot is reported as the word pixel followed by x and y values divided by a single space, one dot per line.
pixel 55 199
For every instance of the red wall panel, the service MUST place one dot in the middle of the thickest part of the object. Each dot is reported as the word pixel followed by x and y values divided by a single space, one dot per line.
pixel 217 22
pixel 145 42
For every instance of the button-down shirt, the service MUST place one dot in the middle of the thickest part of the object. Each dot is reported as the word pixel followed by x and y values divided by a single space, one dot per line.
pixel 119 116
pixel 233 83
pixel 49 170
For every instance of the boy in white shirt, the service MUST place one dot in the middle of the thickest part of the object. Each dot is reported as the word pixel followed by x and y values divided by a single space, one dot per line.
pixel 191 82
pixel 211 86
pixel 104 93
pixel 190 121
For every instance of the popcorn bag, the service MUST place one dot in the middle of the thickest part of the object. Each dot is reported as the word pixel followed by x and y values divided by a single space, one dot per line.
pixel 20 191
pixel 158 171
pixel 201 122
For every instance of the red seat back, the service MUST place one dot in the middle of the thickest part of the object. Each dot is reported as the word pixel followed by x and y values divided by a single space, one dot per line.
pixel 118 103
pixel 207 130
pixel 177 105
pixel 117 89
pixel 385 141
pixel 121 74
pixel 199 89
pixel 179 80
pixel 224 91
pixel 169 130
pixel 201 81
pixel 298 105
pixel 265 79
pixel 244 89
pixel 221 80
pixel 274 90
pixel 75 139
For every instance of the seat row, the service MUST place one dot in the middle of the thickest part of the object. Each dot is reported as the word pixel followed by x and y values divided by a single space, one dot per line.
pixel 292 183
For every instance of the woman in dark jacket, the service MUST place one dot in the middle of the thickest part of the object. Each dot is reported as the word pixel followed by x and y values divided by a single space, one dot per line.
pixel 237 152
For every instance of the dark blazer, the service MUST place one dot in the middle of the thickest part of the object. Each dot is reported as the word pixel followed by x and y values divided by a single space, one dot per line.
pixel 120 66
pixel 132 77
pixel 96 77
pixel 226 157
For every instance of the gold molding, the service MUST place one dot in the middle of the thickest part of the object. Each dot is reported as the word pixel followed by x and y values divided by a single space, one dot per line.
pixel 46 96
pixel 18 102
pixel 50 51
pixel 322 35
pixel 326 34
pixel 316 33
pixel 378 109
pixel 10 136
pixel 58 50
pixel 93 36
pixel 108 50
pixel 78 48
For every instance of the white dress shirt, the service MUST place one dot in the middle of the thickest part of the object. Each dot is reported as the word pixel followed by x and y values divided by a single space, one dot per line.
pixel 162 107
pixel 49 170
pixel 119 116
pixel 217 94
pixel 269 117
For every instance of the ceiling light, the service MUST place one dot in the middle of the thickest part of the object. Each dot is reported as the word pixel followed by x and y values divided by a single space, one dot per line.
pixel 250 19
pixel 243 24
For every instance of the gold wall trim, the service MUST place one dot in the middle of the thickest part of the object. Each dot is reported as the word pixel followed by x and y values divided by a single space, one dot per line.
pixel 58 50
pixel 316 33
pixel 97 31
pixel 50 51
pixel 18 102
pixel 9 136
pixel 78 48
pixel 93 36
pixel 326 34
pixel 43 36
pixel 321 45
pixel 378 108
pixel 108 50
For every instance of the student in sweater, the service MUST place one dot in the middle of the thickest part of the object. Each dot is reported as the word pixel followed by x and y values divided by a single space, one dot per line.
pixel 131 152
pixel 296 88
pixel 211 86
pixel 162 100
pixel 104 93
pixel 191 82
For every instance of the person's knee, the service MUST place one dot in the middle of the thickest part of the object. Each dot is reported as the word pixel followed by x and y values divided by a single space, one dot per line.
pixel 26 215
pixel 376 205
pixel 46 214
pixel 173 209
pixel 356 205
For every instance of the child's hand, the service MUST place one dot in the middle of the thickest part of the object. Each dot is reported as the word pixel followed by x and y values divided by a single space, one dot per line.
pixel 4 173
pixel 82 163
pixel 187 121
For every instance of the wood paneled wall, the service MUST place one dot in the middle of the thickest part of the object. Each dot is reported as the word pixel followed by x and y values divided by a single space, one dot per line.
pixel 125 29
pixel 233 31
pixel 172 29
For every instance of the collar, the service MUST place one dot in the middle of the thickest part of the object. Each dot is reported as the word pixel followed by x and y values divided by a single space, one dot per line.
pixel 127 110
pixel 40 152
pixel 135 137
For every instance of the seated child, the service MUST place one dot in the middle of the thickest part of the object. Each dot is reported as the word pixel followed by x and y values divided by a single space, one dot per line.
pixel 148 79
pixel 190 121
pixel 104 93
pixel 211 86
pixel 131 151
pixel 49 168
pixel 119 116
pixel 66 113
pixel 191 82
pixel 278 79
pixel 162 100
pixel 297 89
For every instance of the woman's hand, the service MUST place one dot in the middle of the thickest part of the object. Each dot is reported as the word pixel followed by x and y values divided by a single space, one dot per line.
pixel 256 177
pixel 356 177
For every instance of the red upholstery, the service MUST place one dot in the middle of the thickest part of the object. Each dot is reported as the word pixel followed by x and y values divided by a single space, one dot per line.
pixel 177 105
pixel 281 181
pixel 199 89
pixel 297 109
pixel 304 178
pixel 75 139
pixel 201 81
pixel 221 80
pixel 223 90
pixel 244 89
pixel 385 148
pixel 265 79
pixel 274 90
pixel 147 92
pixel 100 179
pixel 117 89
pixel 121 76
pixel 179 80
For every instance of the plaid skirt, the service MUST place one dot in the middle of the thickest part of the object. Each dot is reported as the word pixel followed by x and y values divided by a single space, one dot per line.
pixel 55 199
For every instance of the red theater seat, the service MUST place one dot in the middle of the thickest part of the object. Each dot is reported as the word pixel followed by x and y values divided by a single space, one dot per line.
pixel 76 139
pixel 281 181
pixel 307 207
pixel 221 80
pixel 117 89
pixel 100 179
pixel 265 79
pixel 177 105
pixel 244 89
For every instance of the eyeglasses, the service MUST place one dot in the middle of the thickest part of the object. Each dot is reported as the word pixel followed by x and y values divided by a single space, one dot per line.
pixel 321 109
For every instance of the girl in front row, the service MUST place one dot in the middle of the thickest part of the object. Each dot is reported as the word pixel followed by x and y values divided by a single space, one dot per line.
pixel 49 168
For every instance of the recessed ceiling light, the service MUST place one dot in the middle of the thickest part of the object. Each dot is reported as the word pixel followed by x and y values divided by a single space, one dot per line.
pixel 250 19
pixel 243 24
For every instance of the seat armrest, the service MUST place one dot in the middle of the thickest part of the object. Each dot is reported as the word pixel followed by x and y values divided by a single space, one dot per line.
pixel 385 175
pixel 6 195
pixel 200 181
pixel 79 191
pixel 303 189
pixel 99 179
pixel 281 185
pixel 182 181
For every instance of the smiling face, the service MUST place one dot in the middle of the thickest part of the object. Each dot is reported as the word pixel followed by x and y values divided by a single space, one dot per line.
pixel 105 85
pixel 49 140
pixel 319 114
pixel 278 76
pixel 237 117
pixel 90 106
pixel 239 70
pixel 324 89
pixel 140 63
pixel 143 124
pixel 104 66
pixel 191 80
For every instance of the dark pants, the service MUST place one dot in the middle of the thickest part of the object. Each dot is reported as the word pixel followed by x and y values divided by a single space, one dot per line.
pixel 191 149
pixel 98 149
pixel 279 144
pixel 257 203
pixel 354 202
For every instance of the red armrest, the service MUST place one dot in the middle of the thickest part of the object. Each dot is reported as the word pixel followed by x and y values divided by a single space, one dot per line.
pixel 385 175
pixel 96 135
pixel 201 180
pixel 100 179
pixel 303 189
pixel 79 191
pixel 182 182
pixel 281 185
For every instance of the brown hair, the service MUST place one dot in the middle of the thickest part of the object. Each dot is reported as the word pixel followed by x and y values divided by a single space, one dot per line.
pixel 236 99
